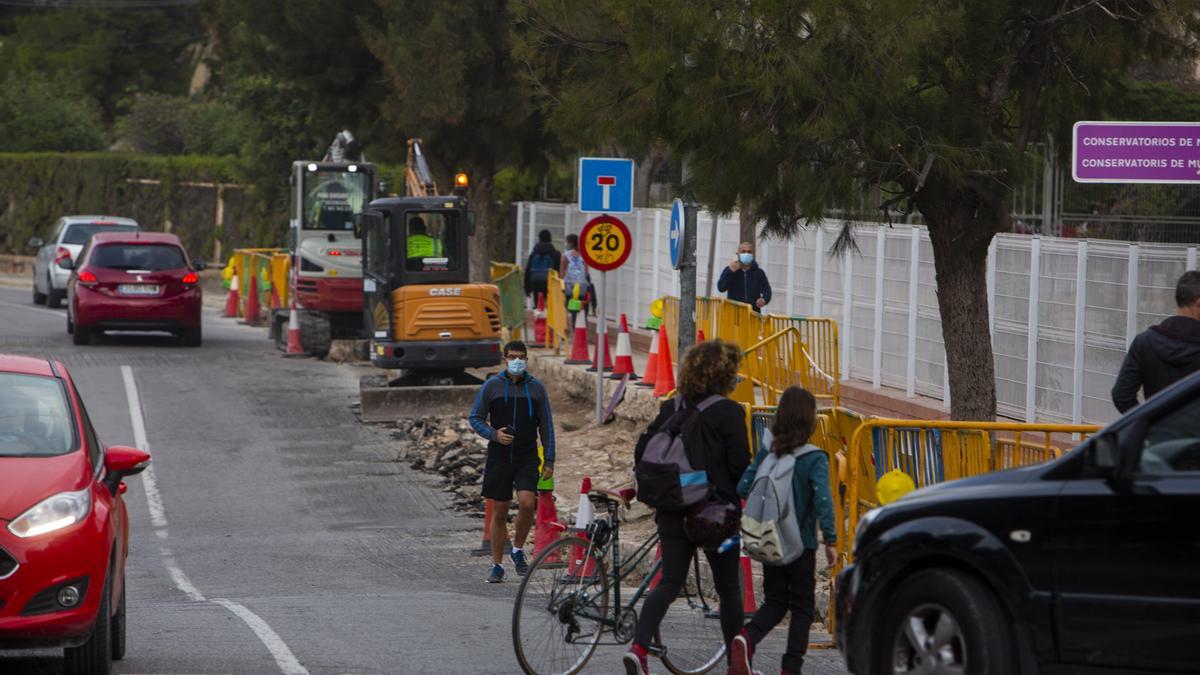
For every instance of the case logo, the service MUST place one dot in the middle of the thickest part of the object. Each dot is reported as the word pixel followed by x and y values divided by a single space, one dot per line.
pixel 445 291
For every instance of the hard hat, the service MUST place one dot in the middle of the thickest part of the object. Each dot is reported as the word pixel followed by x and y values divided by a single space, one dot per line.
pixel 894 485
pixel 656 308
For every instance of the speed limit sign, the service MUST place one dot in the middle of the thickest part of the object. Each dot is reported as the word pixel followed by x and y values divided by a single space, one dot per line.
pixel 605 243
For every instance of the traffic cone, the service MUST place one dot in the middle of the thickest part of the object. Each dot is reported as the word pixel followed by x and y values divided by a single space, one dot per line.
pixel 585 513
pixel 700 336
pixel 547 527
pixel 252 314
pixel 748 604
pixel 664 381
pixel 608 364
pixel 624 364
pixel 231 298
pixel 485 547
pixel 652 363
pixel 539 322
pixel 294 347
pixel 658 575
pixel 583 517
pixel 579 350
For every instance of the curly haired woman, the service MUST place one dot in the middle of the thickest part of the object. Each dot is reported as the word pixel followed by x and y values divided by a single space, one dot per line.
pixel 708 369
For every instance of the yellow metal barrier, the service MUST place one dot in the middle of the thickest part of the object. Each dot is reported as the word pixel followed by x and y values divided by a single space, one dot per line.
pixel 556 312
pixel 269 267
pixel 935 451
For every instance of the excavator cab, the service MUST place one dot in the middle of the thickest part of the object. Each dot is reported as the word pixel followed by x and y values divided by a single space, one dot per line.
pixel 420 310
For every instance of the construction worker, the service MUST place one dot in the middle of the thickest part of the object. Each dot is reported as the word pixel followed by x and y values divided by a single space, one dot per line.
pixel 420 244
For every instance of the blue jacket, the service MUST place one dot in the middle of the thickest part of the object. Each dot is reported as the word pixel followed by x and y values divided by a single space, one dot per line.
pixel 810 494
pixel 524 407
pixel 745 285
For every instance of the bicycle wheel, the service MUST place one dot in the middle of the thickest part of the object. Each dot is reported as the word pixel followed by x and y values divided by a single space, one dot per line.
pixel 691 631
pixel 560 609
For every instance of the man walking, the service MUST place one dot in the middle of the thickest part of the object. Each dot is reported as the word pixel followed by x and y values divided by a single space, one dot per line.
pixel 543 258
pixel 512 411
pixel 744 281
pixel 1165 352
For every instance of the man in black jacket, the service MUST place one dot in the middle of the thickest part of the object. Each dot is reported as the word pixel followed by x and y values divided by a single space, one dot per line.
pixel 744 281
pixel 1163 353
pixel 543 258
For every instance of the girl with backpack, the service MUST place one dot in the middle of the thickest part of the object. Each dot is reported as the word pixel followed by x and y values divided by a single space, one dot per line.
pixel 714 435
pixel 790 586
pixel 574 273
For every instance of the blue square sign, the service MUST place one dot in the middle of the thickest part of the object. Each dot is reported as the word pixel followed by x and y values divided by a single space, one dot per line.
pixel 605 185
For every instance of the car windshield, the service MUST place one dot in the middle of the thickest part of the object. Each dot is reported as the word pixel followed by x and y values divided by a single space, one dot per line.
pixel 148 257
pixel 79 233
pixel 431 240
pixel 33 416
pixel 333 198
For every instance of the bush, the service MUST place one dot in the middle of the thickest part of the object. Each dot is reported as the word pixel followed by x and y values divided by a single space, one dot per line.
pixel 176 125
pixel 36 116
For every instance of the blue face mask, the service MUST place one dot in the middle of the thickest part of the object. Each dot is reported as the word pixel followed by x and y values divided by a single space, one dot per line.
pixel 516 366
pixel 746 258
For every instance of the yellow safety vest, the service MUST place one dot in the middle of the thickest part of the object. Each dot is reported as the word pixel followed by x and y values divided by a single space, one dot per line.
pixel 423 246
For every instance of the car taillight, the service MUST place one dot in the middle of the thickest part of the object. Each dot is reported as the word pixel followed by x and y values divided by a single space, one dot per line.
pixel 86 278
pixel 61 254
pixel 191 279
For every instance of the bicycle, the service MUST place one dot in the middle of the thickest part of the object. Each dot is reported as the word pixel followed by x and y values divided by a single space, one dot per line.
pixel 563 605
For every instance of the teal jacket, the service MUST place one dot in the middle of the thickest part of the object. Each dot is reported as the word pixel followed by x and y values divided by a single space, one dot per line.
pixel 810 486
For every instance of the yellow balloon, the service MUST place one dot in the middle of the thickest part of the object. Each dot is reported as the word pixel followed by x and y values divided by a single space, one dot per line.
pixel 656 308
pixel 894 485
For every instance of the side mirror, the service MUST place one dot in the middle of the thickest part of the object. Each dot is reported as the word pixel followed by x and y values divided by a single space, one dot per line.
pixel 1105 453
pixel 120 462
pixel 36 242
pixel 358 226
pixel 66 264
pixel 199 265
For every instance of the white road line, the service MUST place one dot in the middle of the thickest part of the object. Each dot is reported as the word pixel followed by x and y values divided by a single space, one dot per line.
pixel 158 515
pixel 59 315
pixel 283 656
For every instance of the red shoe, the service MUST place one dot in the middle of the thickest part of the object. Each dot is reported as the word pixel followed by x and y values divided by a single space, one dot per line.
pixel 740 654
pixel 635 661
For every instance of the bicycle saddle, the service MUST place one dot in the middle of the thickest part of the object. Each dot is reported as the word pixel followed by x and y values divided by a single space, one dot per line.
pixel 622 496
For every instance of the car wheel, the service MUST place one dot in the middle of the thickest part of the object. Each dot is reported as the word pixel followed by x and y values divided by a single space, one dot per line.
pixel 192 337
pixel 38 298
pixel 53 298
pixel 942 621
pixel 82 335
pixel 93 657
pixel 70 324
pixel 118 627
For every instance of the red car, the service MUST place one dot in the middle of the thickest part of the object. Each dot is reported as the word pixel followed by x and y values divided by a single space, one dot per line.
pixel 64 530
pixel 141 281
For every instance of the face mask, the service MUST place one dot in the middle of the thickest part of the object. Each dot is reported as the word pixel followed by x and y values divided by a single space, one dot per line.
pixel 746 258
pixel 516 366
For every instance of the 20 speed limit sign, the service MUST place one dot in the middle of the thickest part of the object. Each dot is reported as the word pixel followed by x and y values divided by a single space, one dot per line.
pixel 605 243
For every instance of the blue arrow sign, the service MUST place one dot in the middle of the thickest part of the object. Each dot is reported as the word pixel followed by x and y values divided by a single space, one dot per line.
pixel 676 233
pixel 605 185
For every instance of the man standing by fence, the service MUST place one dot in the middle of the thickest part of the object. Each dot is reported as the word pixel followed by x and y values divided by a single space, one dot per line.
pixel 1165 352
pixel 744 281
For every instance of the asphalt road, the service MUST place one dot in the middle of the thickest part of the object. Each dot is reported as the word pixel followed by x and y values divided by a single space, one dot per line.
pixel 275 533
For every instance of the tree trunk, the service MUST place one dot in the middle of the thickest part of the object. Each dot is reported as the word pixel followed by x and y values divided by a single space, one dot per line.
pixel 480 196
pixel 746 223
pixel 961 226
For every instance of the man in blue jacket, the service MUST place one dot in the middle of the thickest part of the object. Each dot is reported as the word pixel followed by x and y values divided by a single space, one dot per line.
pixel 744 281
pixel 512 411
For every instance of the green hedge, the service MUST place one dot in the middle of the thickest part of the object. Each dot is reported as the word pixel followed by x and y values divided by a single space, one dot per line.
pixel 37 188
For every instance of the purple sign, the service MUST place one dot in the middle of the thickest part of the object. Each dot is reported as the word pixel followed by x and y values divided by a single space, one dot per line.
pixel 1136 152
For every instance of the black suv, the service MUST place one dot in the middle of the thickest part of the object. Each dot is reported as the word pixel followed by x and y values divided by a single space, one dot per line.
pixel 1089 563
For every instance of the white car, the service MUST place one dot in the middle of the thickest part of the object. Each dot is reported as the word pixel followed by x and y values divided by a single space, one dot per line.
pixel 66 240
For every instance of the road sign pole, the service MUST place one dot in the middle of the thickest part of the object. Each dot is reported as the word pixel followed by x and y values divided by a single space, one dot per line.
pixel 601 346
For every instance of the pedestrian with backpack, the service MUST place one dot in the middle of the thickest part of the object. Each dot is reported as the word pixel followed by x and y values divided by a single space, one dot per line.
pixel 787 496
pixel 687 465
pixel 543 258
pixel 575 278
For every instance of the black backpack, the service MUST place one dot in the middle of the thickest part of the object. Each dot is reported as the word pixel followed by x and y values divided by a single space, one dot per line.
pixel 672 471
pixel 540 266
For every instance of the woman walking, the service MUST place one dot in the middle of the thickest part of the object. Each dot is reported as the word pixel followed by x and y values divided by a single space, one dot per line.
pixel 790 587
pixel 708 369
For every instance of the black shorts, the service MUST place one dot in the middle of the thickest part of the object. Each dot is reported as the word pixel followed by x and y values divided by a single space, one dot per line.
pixel 501 477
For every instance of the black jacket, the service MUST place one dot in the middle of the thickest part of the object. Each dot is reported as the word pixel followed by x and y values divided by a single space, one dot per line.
pixel 538 285
pixel 745 285
pixel 726 442
pixel 1156 359
pixel 522 406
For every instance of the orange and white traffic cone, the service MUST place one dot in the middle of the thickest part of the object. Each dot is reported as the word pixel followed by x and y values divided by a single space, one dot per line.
pixel 748 604
pixel 546 526
pixel 664 381
pixel 624 364
pixel 294 346
pixel 252 313
pixel 651 363
pixel 583 517
pixel 231 298
pixel 601 340
pixel 539 322
pixel 579 350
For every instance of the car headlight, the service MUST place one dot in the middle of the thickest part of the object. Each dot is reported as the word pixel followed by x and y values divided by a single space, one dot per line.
pixel 54 513
pixel 863 523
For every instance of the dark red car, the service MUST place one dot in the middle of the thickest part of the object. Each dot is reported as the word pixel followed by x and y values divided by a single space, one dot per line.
pixel 138 281
pixel 64 530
